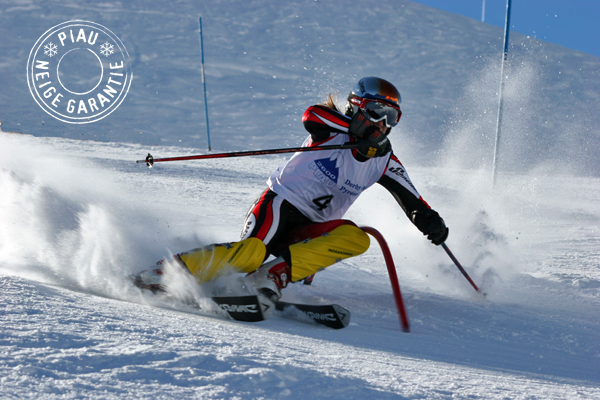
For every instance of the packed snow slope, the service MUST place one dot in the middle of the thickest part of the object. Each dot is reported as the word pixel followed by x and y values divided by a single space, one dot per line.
pixel 77 217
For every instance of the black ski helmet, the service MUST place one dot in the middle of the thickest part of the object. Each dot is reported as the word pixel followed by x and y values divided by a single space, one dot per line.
pixel 375 89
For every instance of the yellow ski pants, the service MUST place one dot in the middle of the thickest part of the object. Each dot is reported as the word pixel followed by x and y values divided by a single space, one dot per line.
pixel 311 249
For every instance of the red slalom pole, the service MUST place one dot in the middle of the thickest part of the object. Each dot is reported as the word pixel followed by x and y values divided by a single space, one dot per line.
pixel 460 268
pixel 151 160
pixel 389 262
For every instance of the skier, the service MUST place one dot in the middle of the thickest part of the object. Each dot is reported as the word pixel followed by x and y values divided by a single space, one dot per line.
pixel 298 218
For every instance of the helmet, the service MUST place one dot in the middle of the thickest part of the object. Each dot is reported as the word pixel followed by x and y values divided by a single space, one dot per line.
pixel 378 98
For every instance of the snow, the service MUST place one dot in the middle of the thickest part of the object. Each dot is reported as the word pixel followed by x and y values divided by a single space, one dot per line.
pixel 78 216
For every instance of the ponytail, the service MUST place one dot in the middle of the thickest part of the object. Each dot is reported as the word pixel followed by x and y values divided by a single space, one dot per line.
pixel 331 102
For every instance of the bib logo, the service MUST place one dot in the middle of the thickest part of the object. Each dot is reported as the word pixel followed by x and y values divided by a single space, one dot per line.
pixel 326 171
pixel 79 72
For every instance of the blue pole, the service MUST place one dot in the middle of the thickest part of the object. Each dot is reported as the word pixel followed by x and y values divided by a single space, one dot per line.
pixel 204 82
pixel 501 99
pixel 483 11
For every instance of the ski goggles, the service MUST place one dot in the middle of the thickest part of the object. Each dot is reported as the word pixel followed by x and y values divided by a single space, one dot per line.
pixel 378 111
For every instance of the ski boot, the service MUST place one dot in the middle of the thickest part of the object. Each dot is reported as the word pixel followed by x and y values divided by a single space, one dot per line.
pixel 270 278
pixel 150 279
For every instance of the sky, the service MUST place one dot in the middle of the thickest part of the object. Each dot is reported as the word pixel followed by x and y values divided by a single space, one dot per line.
pixel 573 24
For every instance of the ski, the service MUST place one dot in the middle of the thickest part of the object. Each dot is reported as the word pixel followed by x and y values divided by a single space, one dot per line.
pixel 255 308
pixel 330 315
pixel 248 308
pixel 252 308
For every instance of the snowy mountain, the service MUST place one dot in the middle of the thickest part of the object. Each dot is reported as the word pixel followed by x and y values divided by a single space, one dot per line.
pixel 78 216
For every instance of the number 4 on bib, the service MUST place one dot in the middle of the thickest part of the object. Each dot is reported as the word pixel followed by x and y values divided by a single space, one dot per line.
pixel 323 201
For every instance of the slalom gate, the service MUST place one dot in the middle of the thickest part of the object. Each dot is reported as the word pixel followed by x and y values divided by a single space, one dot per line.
pixel 389 262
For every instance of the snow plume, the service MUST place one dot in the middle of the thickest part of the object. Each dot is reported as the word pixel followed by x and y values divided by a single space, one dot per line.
pixel 57 222
pixel 472 131
pixel 540 132
pixel 483 226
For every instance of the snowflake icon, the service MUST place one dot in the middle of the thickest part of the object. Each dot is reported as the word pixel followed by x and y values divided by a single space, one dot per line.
pixel 50 49
pixel 106 49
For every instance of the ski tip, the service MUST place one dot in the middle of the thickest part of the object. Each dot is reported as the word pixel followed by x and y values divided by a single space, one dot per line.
pixel 267 307
pixel 343 314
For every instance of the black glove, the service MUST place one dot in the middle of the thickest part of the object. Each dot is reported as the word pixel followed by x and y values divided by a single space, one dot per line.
pixel 371 141
pixel 431 224
pixel 361 126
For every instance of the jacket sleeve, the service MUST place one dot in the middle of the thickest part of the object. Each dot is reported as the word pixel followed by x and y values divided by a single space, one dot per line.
pixel 396 181
pixel 323 122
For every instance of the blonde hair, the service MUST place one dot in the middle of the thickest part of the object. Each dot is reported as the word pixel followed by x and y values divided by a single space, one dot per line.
pixel 331 102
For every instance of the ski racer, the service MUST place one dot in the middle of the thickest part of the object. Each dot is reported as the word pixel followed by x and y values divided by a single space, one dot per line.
pixel 298 219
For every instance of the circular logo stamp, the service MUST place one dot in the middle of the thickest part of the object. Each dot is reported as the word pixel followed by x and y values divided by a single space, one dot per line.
pixel 79 72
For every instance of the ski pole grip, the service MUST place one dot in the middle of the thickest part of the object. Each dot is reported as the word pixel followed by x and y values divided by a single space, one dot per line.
pixel 149 160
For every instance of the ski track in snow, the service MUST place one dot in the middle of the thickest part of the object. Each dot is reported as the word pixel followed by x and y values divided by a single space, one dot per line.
pixel 72 325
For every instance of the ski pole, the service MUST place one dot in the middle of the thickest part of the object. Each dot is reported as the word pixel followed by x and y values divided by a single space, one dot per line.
pixel 151 160
pixel 460 268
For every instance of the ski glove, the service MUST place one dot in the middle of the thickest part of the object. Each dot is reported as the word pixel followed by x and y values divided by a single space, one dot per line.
pixel 371 141
pixel 431 224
